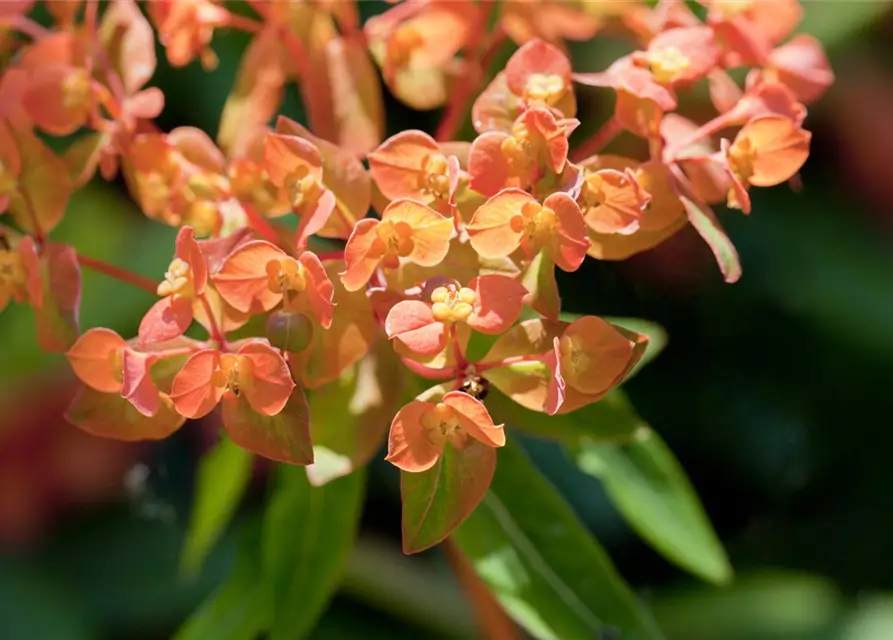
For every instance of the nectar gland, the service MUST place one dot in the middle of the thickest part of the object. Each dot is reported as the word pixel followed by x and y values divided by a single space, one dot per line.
pixel 402 44
pixel 177 279
pixel 452 304
pixel 288 278
pixel 547 89
pixel 304 190
pixel 393 240
pixel 441 425
pixel 536 222
pixel 434 176
pixel 667 64
pixel 230 371
pixel 519 151
pixel 12 271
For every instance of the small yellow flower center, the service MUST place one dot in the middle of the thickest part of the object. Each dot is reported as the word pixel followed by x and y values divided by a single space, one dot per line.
pixel 536 222
pixel 667 64
pixel 304 190
pixel 402 44
pixel 230 372
pixel 593 193
pixel 393 241
pixel 177 279
pixel 76 89
pixel 452 304
pixel 742 155
pixel 434 177
pixel 518 150
pixel 203 216
pixel 12 270
pixel 441 425
pixel 287 277
pixel 545 88
pixel 250 183
pixel 732 8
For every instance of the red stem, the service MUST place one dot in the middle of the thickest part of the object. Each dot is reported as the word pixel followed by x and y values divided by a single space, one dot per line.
pixel 244 23
pixel 39 235
pixel 477 65
pixel 216 334
pixel 32 29
pixel 261 225
pixel 598 141
pixel 118 273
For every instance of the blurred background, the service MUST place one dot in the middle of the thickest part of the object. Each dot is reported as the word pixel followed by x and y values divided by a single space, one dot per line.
pixel 774 393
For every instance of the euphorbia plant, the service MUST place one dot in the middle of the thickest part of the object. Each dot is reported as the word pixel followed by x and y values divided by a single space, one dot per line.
pixel 373 265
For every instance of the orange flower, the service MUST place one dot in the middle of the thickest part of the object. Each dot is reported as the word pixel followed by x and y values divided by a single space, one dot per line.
pixel 767 151
pixel 513 218
pixel 679 56
pixel 407 230
pixel 255 370
pixel 613 201
pixel 185 280
pixel 186 27
pixel 748 29
pixel 258 275
pixel 536 147
pixel 489 304
pixel 421 430
pixel 412 165
pixel 802 66
pixel 588 360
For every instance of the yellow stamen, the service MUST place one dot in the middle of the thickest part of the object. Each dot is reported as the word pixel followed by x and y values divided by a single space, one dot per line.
pixel 544 88
pixel 452 304
pixel 667 64
pixel 176 279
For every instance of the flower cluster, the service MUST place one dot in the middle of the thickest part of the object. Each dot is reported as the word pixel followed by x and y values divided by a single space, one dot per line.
pixel 339 240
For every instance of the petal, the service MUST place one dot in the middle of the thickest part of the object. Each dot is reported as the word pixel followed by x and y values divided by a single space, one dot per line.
pixel 313 221
pixel 129 42
pixel 192 392
pixel 543 124
pixel 474 419
pixel 409 448
pixel 571 241
pixel 608 351
pixel 498 304
pixel 536 56
pixel 802 65
pixel 188 250
pixel 781 145
pixel 431 232
pixel 108 415
pixel 359 264
pixel 397 164
pixel 47 103
pixel 269 384
pixel 320 291
pixel 284 154
pixel 197 147
pixel 91 359
pixel 489 171
pixel 137 386
pixel 556 392
pixel 167 319
pixel 243 281
pixel 496 108
pixel 490 230
pixel 412 323
pixel 622 207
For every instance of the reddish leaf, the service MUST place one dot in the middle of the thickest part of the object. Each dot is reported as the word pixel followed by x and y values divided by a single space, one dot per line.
pixel 267 384
pixel 108 415
pixel 409 447
pixel 137 385
pixel 56 316
pixel 356 95
pixel 413 324
pixel 498 304
pixel 129 42
pixel 474 419
pixel 93 359
pixel 193 391
pixel 438 500
pixel 243 279
pixel 44 185
pixel 284 437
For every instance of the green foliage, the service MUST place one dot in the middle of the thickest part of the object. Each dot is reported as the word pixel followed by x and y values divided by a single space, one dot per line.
pixel 551 576
pixel 221 480
pixel 648 485
pixel 308 533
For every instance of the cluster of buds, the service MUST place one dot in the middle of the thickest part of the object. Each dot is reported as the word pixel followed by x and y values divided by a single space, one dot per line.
pixel 463 238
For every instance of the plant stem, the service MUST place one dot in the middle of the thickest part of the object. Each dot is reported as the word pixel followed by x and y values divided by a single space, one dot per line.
pixel 244 23
pixel 477 65
pixel 32 29
pixel 597 141
pixel 261 225
pixel 141 282
pixel 216 334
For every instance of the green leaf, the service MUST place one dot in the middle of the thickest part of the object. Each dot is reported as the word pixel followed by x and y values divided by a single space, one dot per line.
pixel 708 227
pixel 350 416
pixel 549 573
pixel 650 488
pixel 223 475
pixel 438 500
pixel 831 23
pixel 308 533
pixel 240 608
pixel 609 419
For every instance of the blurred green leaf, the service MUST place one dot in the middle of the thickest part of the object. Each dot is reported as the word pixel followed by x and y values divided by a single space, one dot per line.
pixel 610 419
pixel 759 606
pixel 222 477
pixel 832 23
pixel 551 576
pixel 240 608
pixel 872 620
pixel 308 533
pixel 647 484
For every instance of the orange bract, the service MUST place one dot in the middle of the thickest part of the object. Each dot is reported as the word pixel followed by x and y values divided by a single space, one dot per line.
pixel 421 430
